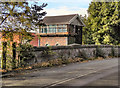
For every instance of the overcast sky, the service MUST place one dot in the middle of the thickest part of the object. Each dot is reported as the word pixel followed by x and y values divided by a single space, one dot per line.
pixel 64 7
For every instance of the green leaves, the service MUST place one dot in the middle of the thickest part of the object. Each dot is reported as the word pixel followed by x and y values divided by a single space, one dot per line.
pixel 103 23
pixel 25 52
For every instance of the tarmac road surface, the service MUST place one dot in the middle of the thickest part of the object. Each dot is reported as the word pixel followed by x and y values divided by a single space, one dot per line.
pixel 93 73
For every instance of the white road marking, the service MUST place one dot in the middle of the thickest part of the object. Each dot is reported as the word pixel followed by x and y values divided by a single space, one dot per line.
pixel 69 79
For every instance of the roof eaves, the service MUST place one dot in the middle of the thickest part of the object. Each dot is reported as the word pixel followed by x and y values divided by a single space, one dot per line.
pixel 81 21
pixel 73 19
pixel 57 23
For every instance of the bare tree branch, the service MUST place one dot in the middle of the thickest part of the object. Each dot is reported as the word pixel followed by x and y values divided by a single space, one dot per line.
pixel 7 15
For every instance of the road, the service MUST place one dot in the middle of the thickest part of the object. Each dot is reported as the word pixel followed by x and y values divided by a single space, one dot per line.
pixel 93 73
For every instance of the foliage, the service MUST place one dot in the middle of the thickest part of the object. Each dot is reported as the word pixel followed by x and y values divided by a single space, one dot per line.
pixel 19 18
pixel 8 55
pixel 36 14
pixel 14 16
pixel 3 58
pixel 103 23
pixel 25 53
pixel 56 62
pixel 87 32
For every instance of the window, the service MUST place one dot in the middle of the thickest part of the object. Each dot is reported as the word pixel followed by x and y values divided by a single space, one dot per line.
pixel 62 28
pixel 57 44
pixel 46 44
pixel 43 29
pixel 53 28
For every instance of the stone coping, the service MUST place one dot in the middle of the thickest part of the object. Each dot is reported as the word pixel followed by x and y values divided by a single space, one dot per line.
pixel 73 47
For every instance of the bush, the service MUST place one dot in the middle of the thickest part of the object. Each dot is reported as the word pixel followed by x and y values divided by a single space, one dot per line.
pixel 25 53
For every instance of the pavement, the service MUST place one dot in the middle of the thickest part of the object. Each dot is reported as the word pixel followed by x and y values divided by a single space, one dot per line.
pixel 92 73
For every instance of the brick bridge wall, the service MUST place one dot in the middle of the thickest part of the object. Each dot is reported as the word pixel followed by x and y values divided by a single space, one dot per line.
pixel 72 51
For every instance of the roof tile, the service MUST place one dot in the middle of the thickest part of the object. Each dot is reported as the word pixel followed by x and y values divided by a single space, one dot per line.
pixel 63 19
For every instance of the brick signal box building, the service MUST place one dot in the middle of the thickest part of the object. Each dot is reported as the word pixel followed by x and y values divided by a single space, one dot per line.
pixel 61 30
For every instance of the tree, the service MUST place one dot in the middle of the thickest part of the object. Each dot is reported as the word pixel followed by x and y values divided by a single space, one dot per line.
pixel 87 33
pixel 36 14
pixel 20 18
pixel 13 17
pixel 103 22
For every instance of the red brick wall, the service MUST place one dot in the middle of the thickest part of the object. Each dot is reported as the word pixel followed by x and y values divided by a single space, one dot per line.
pixel 34 41
pixel 52 41
pixel 16 38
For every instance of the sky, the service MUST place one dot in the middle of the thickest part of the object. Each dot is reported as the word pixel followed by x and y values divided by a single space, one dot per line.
pixel 65 7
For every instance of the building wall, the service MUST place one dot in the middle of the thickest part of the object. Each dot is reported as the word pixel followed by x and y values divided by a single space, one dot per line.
pixel 52 41
pixel 34 41
pixel 79 35
pixel 77 31
pixel 71 40
pixel 71 29
pixel 16 38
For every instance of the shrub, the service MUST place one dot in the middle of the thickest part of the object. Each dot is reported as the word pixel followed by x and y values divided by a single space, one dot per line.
pixel 25 53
